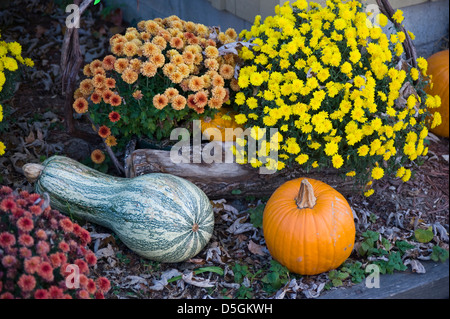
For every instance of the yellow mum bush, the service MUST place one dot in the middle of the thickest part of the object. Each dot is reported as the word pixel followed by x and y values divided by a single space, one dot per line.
pixel 10 57
pixel 338 90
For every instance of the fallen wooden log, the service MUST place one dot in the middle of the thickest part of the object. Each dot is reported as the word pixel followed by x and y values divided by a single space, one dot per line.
pixel 227 180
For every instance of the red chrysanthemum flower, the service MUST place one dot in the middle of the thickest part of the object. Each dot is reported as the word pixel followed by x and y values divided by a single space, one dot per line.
pixel 40 234
pixel 91 287
pixel 24 194
pixel 62 257
pixel 90 258
pixel 21 202
pixel 18 212
pixel 6 190
pixel 55 259
pixel 45 270
pixel 64 246
pixel 66 224
pixel 9 261
pixel 41 294
pixel 76 229
pixel 55 292
pixel 25 224
pixel 25 252
pixel 99 295
pixel 83 280
pixel 7 240
pixel 33 198
pixel 7 295
pixel 31 265
pixel 31 255
pixel 26 240
pixel 103 284
pixel 82 266
pixel 35 210
pixel 26 283
pixel 8 204
pixel 114 116
pixel 104 131
pixel 42 248
pixel 83 294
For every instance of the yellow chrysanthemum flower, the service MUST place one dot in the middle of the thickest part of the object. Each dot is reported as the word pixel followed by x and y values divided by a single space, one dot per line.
pixel 377 173
pixel 398 16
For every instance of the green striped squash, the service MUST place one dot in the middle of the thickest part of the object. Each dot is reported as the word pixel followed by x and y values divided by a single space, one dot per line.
pixel 161 217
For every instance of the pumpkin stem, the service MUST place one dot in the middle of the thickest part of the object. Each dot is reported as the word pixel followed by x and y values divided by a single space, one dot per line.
pixel 305 197
pixel 32 171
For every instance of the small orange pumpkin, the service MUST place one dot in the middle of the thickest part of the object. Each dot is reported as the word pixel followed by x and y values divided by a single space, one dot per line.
pixel 308 226
pixel 438 69
pixel 218 122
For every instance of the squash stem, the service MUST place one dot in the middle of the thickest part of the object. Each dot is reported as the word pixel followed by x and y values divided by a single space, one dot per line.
pixel 32 171
pixel 305 197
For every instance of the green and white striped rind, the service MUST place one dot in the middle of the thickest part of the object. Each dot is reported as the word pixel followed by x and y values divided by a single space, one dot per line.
pixel 154 215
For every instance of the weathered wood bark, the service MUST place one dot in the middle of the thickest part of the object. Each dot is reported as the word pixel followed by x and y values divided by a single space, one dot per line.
pixel 71 61
pixel 227 180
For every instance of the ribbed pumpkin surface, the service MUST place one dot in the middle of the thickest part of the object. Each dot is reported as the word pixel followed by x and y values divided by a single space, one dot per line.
pixel 159 216
pixel 210 125
pixel 308 241
pixel 439 69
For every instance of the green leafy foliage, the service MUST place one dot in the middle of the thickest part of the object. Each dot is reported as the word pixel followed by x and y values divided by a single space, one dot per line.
pixel 355 270
pixel 394 262
pixel 240 271
pixel 245 290
pixel 337 276
pixel 256 215
pixel 276 277
pixel 439 254
pixel 368 245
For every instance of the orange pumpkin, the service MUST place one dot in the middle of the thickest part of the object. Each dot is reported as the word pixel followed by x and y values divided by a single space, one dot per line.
pixel 438 68
pixel 308 226
pixel 210 125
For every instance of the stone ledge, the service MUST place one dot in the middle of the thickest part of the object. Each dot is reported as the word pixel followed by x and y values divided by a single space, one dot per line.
pixel 434 284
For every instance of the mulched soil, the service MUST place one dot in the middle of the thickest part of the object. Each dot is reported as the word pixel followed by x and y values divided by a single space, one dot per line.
pixel 36 130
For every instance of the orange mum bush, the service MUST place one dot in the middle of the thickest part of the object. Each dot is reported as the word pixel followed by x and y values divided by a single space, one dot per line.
pixel 160 75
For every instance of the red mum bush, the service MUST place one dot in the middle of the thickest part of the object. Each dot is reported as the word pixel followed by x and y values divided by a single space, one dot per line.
pixel 43 254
